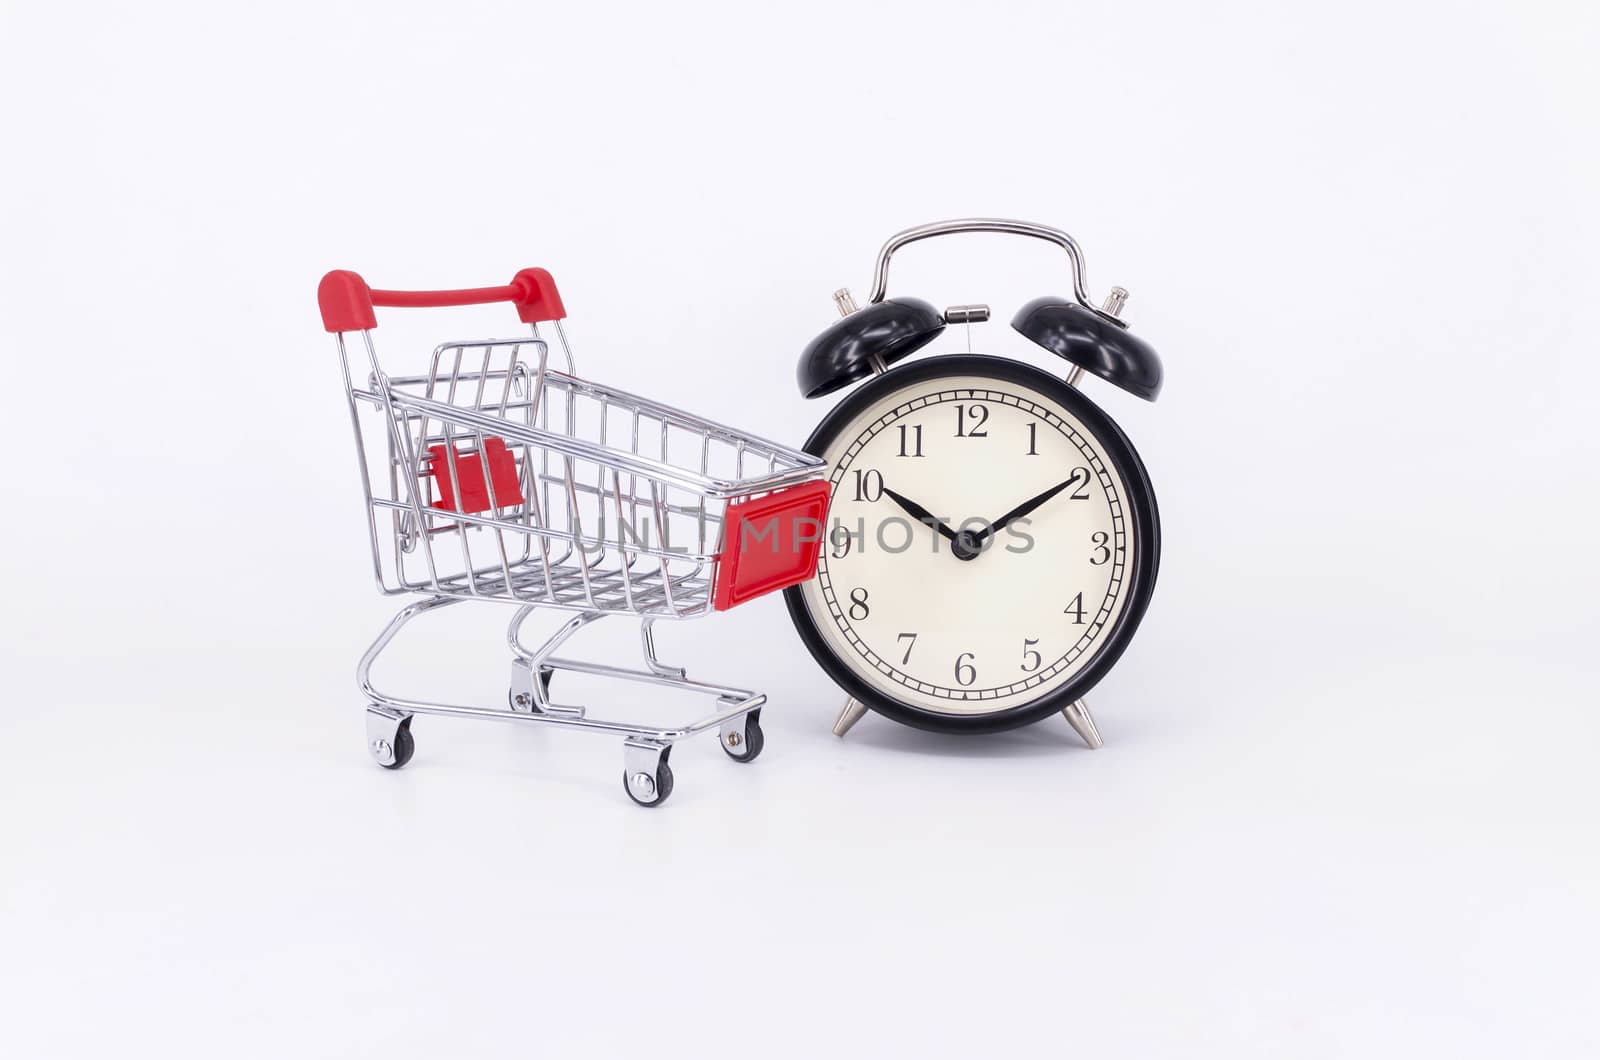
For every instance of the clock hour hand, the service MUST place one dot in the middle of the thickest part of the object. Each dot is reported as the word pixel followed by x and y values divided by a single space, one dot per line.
pixel 921 514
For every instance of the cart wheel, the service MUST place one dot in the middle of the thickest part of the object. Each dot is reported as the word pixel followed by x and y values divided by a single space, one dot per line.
pixel 660 787
pixel 744 745
pixel 404 746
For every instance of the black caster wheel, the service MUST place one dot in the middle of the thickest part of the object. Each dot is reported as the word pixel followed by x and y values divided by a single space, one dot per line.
pixel 646 790
pixel 745 745
pixel 404 746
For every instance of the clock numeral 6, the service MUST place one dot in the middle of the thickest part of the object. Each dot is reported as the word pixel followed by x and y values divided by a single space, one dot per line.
pixel 970 420
pixel 965 673
pixel 869 485
pixel 858 604
pixel 1102 548
pixel 1031 659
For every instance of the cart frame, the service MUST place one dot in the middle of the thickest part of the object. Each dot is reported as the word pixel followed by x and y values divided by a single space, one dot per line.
pixel 526 471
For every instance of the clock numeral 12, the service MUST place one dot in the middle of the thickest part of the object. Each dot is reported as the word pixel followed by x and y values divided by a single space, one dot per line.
pixel 979 415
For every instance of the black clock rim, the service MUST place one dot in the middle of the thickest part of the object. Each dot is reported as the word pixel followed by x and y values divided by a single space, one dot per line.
pixel 1141 503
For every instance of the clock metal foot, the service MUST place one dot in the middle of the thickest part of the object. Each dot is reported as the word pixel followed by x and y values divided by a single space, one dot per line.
pixel 1082 722
pixel 852 712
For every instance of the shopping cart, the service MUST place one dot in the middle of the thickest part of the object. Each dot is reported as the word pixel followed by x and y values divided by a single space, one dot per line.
pixel 501 478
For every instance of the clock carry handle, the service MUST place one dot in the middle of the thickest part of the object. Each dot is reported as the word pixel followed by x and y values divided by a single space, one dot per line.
pixel 880 273
pixel 871 338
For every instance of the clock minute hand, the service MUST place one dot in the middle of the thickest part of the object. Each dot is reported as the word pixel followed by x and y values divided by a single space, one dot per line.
pixel 921 514
pixel 1024 508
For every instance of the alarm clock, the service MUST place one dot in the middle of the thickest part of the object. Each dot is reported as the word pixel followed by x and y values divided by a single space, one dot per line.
pixel 993 539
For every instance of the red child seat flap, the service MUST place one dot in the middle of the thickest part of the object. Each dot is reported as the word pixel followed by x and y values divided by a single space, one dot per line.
pixel 770 543
pixel 469 473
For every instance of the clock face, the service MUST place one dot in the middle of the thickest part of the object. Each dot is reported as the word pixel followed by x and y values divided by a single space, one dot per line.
pixel 982 545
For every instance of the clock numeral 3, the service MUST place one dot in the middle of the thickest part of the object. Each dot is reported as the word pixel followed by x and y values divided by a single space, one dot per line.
pixel 1031 659
pixel 970 420
pixel 1102 548
pixel 869 485
pixel 965 672
pixel 858 604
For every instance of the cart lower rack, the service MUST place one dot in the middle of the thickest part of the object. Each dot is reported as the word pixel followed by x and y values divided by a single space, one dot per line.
pixel 494 476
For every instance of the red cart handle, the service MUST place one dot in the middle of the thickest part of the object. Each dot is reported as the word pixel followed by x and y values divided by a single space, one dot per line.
pixel 346 300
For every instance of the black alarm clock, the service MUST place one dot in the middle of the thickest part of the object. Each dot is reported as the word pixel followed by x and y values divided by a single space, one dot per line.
pixel 993 540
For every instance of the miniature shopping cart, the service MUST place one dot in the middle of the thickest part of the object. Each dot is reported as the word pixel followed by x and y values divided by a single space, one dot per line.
pixel 495 476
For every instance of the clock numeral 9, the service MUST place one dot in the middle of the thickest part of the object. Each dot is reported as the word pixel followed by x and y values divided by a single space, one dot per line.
pixel 858 604
pixel 1102 548
pixel 970 420
pixel 842 539
pixel 869 485
pixel 965 672
pixel 915 437
pixel 1031 659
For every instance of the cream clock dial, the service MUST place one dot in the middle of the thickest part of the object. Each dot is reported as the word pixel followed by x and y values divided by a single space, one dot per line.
pixel 985 546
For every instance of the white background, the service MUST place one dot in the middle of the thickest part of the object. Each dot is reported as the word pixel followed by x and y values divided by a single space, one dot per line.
pixel 1347 802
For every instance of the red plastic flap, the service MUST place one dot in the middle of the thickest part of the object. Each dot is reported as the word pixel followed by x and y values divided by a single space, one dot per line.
pixel 770 543
pixel 469 472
